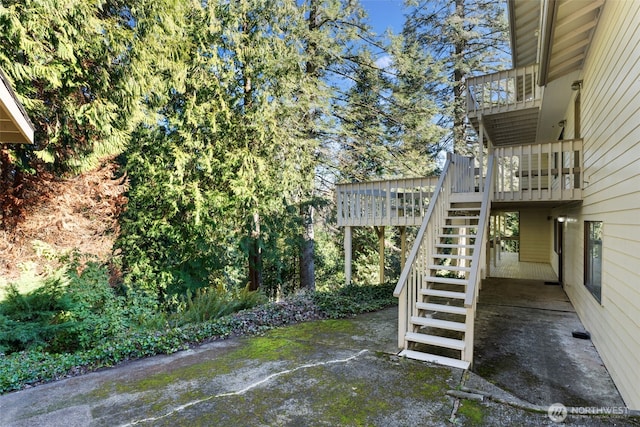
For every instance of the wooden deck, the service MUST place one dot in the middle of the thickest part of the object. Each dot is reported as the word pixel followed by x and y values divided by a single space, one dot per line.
pixel 508 266
pixel 393 202
pixel 549 171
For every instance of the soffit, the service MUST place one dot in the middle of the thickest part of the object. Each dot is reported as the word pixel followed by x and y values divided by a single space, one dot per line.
pixel 15 126
pixel 573 25
pixel 524 20
pixel 567 27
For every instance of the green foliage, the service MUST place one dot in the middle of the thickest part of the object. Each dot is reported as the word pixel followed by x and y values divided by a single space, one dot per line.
pixel 81 69
pixel 216 182
pixel 329 260
pixel 34 319
pixel 214 302
pixel 353 299
pixel 35 366
pixel 69 311
pixel 455 38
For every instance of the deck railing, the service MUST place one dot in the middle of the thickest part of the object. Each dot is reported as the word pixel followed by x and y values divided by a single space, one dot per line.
pixel 412 278
pixel 546 171
pixel 478 260
pixel 384 203
pixel 503 91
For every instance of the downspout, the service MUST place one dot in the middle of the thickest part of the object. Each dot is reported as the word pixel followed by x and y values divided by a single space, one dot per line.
pixel 547 28
pixel 511 5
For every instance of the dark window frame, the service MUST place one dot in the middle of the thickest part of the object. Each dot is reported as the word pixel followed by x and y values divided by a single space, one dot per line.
pixel 593 236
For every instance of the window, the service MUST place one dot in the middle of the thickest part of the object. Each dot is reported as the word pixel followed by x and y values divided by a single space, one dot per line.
pixel 593 258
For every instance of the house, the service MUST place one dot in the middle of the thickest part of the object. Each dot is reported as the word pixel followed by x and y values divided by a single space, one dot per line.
pixel 561 145
pixel 15 126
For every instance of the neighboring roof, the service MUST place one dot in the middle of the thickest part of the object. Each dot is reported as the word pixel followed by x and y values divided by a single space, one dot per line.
pixel 556 34
pixel 15 125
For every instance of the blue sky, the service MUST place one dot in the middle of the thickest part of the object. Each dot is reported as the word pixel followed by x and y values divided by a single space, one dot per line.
pixel 384 14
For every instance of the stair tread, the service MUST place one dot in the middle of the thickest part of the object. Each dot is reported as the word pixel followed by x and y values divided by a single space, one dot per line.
pixel 444 294
pixel 447 280
pixel 463 217
pixel 435 340
pixel 470 208
pixel 453 245
pixel 441 308
pixel 454 236
pixel 448 267
pixel 450 256
pixel 439 323
pixel 433 358
pixel 475 197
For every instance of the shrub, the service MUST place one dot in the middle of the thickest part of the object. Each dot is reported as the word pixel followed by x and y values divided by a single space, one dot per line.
pixel 354 299
pixel 71 310
pixel 36 365
pixel 34 319
pixel 214 302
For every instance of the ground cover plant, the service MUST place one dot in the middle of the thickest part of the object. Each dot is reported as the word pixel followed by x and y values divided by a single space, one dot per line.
pixel 75 322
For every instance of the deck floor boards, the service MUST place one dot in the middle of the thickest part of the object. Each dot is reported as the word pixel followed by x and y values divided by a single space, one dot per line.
pixel 509 267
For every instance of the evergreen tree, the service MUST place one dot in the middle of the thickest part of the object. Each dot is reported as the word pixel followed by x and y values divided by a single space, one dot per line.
pixel 414 121
pixel 82 70
pixel 364 148
pixel 461 37
pixel 333 31
pixel 232 159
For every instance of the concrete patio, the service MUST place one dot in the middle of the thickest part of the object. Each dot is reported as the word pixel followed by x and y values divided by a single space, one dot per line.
pixel 524 344
pixel 342 373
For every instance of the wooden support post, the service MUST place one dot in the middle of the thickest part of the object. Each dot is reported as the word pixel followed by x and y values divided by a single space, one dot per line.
pixel 403 246
pixel 501 220
pixel 496 232
pixel 347 255
pixel 480 159
pixel 380 233
pixel 488 260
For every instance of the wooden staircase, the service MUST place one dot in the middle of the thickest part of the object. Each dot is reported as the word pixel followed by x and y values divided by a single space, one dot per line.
pixel 438 324
pixel 438 288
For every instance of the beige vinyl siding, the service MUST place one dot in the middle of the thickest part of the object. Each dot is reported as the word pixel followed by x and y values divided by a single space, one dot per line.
pixel 535 235
pixel 610 106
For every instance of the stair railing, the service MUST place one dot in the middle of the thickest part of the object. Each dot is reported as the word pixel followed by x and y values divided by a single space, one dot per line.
pixel 478 260
pixel 413 277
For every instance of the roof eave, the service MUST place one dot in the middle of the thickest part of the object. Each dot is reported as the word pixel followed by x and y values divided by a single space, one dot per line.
pixel 16 114
pixel 547 26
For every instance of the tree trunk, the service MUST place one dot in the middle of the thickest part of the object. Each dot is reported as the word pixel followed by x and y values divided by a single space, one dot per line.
pixel 459 111
pixel 255 256
pixel 307 252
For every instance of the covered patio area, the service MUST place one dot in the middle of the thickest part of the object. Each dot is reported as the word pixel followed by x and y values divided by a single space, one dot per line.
pixel 508 266
pixel 524 345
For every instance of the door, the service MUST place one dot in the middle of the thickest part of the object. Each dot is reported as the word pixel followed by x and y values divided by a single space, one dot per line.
pixel 558 246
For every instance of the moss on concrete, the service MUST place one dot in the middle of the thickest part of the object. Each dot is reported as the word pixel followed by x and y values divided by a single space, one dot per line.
pixel 343 395
pixel 472 412
pixel 283 344
pixel 351 393
pixel 369 390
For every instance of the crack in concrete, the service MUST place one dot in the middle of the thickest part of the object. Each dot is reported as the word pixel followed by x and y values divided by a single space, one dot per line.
pixel 246 389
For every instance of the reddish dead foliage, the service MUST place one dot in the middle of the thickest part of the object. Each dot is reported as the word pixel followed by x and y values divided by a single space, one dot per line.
pixel 65 214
